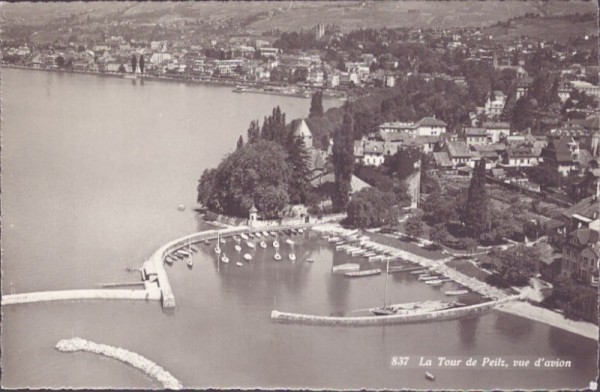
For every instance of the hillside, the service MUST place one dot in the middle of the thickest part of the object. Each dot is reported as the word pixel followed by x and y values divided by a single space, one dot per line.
pixel 261 16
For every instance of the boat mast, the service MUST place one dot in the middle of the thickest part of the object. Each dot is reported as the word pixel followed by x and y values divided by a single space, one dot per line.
pixel 387 272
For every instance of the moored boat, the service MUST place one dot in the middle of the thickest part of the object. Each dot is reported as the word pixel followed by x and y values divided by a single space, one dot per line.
pixel 347 267
pixel 292 256
pixel 224 258
pixel 263 244
pixel 429 376
pixel 289 242
pixel 244 236
pixel 250 244
pixel 435 282
pixel 248 257
pixel 190 262
pixel 258 234
pixel 238 248
pixel 369 272
pixel 456 292
pixel 239 264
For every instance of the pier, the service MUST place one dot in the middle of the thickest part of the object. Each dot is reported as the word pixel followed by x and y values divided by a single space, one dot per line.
pixel 61 295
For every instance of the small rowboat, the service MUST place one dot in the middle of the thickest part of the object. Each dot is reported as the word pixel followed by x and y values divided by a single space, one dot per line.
pixel 275 244
pixel 265 234
pixel 250 244
pixel 301 231
pixel 168 260
pixel 239 264
pixel 277 256
pixel 223 240
pixel 236 238
pixel 238 248
pixel 292 257
pixel 346 267
pixel 429 376
pixel 358 274
pixel 289 242
pixel 310 260
pixel 436 282
pixel 273 234
pixel 224 258
pixel 248 257
pixel 456 292
pixel 263 244
pixel 217 250
pixel 258 234
pixel 190 262
pixel 244 237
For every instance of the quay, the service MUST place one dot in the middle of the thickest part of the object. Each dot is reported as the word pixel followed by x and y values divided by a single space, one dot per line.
pixel 61 295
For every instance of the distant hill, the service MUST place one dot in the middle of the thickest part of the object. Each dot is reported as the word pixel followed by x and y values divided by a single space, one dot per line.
pixel 294 15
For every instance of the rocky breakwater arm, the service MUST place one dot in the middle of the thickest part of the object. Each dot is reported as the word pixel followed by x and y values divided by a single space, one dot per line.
pixel 131 358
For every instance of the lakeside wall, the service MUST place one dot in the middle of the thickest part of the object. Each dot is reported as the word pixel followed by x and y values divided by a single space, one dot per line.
pixel 137 361
pixel 448 314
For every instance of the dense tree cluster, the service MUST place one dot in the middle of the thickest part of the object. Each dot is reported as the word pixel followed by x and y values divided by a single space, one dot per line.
pixel 577 301
pixel 371 207
pixel 256 174
pixel 476 214
pixel 517 264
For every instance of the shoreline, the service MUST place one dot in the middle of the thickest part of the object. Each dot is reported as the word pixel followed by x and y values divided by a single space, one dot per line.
pixel 517 308
pixel 328 94
pixel 549 317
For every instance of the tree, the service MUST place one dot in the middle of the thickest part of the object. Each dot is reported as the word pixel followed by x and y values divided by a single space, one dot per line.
pixel 255 174
pixel 469 244
pixel 476 216
pixel 516 265
pixel 316 104
pixel 142 63
pixel 299 163
pixel 253 131
pixel 438 234
pixel 343 162
pixel 133 63
pixel 371 207
pixel 205 185
pixel 122 68
pixel 240 142
pixel 60 61
pixel 414 226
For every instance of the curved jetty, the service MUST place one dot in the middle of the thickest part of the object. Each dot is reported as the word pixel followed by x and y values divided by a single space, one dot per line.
pixel 131 358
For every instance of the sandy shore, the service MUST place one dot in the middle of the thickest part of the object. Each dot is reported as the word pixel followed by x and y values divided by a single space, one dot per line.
pixel 549 317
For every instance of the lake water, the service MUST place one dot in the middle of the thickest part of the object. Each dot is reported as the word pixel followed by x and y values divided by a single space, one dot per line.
pixel 93 170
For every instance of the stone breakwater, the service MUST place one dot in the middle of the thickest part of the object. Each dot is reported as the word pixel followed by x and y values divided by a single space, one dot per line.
pixel 62 295
pixel 130 358
pixel 449 314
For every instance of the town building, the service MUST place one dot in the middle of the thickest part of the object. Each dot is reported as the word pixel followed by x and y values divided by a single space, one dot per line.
pixel 580 253
pixel 495 104
pixel 560 157
pixel 496 130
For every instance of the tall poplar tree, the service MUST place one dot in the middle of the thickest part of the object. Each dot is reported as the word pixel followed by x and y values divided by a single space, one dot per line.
pixel 476 215
pixel 142 62
pixel 240 142
pixel 133 63
pixel 316 105
pixel 343 162
pixel 253 131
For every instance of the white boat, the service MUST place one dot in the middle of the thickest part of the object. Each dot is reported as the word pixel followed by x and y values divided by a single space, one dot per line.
pixel 273 234
pixel 236 238
pixel 238 248
pixel 184 252
pixel 289 242
pixel 264 233
pixel 301 231
pixel 456 292
pixel 239 264
pixel 244 237
pixel 385 310
pixel 263 244
pixel 250 244
pixel 275 242
pixel 435 282
pixel 347 267
pixel 358 274
pixel 168 260
pixel 248 257
pixel 190 262
pixel 223 240
pixel 426 278
pixel 224 258
pixel 258 234
pixel 429 376
pixel 292 256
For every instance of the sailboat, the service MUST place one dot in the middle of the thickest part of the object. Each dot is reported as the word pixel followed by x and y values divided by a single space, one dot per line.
pixel 292 255
pixel 263 244
pixel 276 242
pixel 384 310
pixel 277 255
pixel 218 248
pixel 224 258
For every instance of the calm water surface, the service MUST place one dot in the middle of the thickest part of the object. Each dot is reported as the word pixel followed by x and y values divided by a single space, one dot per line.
pixel 92 172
